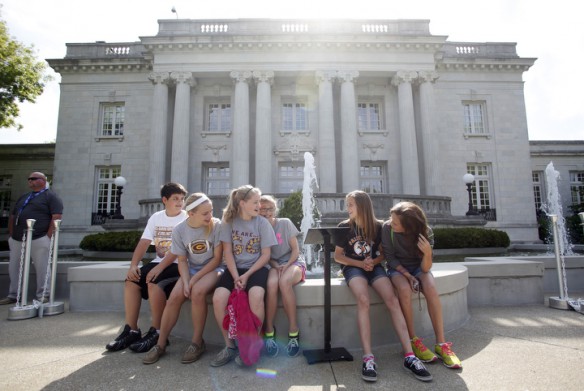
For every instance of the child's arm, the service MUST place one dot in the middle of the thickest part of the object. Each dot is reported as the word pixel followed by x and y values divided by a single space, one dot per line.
pixel 261 262
pixel 139 251
pixel 229 260
pixel 426 248
pixel 209 267
pixel 341 258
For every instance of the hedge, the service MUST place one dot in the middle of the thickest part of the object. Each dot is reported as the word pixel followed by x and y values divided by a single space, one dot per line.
pixel 445 238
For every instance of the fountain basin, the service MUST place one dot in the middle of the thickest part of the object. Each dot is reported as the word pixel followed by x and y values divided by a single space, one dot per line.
pixel 100 287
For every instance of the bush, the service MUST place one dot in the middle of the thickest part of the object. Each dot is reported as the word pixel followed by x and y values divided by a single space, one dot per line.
pixel 469 238
pixel 292 208
pixel 113 241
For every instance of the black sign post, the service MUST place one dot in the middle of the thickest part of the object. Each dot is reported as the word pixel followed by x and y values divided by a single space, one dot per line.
pixel 323 236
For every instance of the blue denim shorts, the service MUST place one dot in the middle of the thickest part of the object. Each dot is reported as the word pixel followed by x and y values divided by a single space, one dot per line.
pixel 351 272
pixel 414 271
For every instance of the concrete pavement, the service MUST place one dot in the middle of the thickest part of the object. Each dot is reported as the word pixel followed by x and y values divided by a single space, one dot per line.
pixel 502 348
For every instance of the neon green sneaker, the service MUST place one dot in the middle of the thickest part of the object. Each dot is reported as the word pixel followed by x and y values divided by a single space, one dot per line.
pixel 421 351
pixel 447 356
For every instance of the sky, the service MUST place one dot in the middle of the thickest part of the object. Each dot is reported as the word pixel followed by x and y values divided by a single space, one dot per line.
pixel 552 32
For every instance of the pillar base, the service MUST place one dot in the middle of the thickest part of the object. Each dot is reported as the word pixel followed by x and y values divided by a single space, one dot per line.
pixel 24 312
pixel 559 303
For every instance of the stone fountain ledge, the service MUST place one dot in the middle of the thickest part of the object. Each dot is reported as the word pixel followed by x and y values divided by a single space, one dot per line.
pixel 99 287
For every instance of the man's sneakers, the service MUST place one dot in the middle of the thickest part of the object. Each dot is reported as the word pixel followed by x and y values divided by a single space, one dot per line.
pixel 417 368
pixel 293 347
pixel 224 356
pixel 125 339
pixel 421 351
pixel 7 300
pixel 147 342
pixel 447 356
pixel 270 344
pixel 369 370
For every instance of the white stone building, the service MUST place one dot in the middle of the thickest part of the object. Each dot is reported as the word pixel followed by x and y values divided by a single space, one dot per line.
pixel 383 105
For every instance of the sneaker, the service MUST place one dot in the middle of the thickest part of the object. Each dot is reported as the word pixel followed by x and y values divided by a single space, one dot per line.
pixel 147 342
pixel 418 369
pixel 224 356
pixel 125 339
pixel 193 352
pixel 293 347
pixel 271 345
pixel 7 300
pixel 421 351
pixel 369 371
pixel 447 355
pixel 153 355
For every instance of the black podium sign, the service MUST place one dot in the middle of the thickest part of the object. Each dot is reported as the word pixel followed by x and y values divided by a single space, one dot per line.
pixel 323 236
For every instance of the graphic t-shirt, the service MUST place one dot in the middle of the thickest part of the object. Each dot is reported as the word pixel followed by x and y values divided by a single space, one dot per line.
pixel 248 238
pixel 356 246
pixel 195 243
pixel 159 231
pixel 284 230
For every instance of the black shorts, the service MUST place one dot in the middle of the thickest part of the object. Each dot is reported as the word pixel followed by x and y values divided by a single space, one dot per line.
pixel 165 280
pixel 259 278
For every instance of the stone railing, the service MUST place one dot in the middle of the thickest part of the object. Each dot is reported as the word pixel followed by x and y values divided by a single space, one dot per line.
pixel 480 49
pixel 264 27
pixel 105 50
pixel 332 205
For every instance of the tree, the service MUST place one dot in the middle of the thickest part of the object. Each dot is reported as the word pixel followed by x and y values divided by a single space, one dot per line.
pixel 22 77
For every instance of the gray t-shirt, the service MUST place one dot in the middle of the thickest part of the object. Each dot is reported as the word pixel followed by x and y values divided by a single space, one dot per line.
pixel 248 238
pixel 195 243
pixel 285 229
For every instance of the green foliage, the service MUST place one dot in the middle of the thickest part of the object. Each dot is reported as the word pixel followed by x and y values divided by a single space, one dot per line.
pixel 22 77
pixel 113 241
pixel 4 245
pixel 292 208
pixel 469 238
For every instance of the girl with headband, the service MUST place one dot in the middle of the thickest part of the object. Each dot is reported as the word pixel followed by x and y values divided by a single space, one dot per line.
pixel 196 243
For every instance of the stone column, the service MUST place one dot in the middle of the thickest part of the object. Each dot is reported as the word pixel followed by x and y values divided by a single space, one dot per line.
pixel 429 136
pixel 240 162
pixel 327 163
pixel 157 156
pixel 179 162
pixel 263 158
pixel 349 146
pixel 407 130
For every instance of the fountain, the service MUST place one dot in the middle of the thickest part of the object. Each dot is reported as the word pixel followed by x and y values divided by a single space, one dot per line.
pixel 308 207
pixel 553 206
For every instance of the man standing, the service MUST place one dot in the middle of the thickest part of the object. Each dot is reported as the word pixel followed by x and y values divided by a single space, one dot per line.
pixel 44 206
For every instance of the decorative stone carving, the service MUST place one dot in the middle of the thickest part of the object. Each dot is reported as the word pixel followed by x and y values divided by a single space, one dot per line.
pixel 263 76
pixel 322 76
pixel 428 76
pixel 347 76
pixel 293 147
pixel 215 149
pixel 159 77
pixel 241 76
pixel 183 77
pixel 404 77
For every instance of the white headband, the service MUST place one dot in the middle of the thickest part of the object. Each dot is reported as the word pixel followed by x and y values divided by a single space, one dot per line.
pixel 198 202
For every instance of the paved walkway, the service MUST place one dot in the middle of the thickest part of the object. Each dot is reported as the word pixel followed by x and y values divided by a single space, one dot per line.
pixel 502 348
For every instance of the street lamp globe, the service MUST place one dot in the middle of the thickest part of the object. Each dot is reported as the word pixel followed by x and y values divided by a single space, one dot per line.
pixel 468 179
pixel 120 181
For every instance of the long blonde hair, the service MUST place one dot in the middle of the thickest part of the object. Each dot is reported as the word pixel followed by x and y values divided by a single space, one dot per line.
pixel 242 193
pixel 369 224
pixel 192 198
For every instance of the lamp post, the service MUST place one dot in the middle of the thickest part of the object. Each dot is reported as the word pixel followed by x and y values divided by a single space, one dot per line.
pixel 581 215
pixel 469 180
pixel 120 182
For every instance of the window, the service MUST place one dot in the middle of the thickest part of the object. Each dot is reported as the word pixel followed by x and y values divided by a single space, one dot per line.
pixel 294 116
pixel 474 118
pixel 217 178
pixel 577 187
pixel 112 123
pixel 538 190
pixel 291 177
pixel 368 116
pixel 5 195
pixel 107 196
pixel 219 117
pixel 481 193
pixel 372 177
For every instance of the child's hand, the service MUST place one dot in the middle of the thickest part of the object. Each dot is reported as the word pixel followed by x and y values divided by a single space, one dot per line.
pixel 424 245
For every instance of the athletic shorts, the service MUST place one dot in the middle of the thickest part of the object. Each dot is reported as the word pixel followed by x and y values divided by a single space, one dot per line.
pixel 259 278
pixel 165 280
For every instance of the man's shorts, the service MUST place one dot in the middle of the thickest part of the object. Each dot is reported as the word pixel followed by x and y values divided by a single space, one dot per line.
pixel 351 272
pixel 259 278
pixel 165 280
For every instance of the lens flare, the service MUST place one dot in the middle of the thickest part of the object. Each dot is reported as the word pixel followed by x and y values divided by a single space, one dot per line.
pixel 266 373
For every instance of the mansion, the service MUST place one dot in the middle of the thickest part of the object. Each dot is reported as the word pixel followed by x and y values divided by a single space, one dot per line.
pixel 382 105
